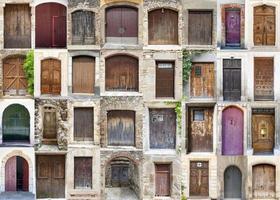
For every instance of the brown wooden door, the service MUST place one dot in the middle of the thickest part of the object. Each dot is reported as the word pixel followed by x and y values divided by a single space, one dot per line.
pixel 83 172
pixel 264 25
pixel 83 27
pixel 200 28
pixel 17 26
pixel 11 174
pixel 120 175
pixel 15 82
pixel 25 175
pixel 162 181
pixel 232 79
pixel 50 176
pixel 232 27
pixel 200 129
pixel 83 124
pixel 202 80
pixel 264 78
pixel 165 79
pixel 121 73
pixel 50 76
pixel 163 27
pixel 264 182
pixel 83 74
pixel 199 178
pixel 49 123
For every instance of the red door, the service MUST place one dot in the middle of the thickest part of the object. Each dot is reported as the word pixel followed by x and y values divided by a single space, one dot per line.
pixel 10 175
pixel 233 27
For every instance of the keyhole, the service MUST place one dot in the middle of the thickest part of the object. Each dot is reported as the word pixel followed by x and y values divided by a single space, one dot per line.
pixel 231 122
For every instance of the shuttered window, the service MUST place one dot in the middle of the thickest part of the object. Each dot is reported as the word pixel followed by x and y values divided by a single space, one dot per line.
pixel 83 27
pixel 162 179
pixel 49 124
pixel 83 172
pixel 83 124
pixel 165 79
pixel 200 27
pixel 199 178
pixel 163 27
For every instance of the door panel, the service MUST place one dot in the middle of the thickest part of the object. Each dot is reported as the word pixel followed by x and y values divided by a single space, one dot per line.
pixel 83 172
pixel 232 27
pixel 10 174
pixel 50 76
pixel 199 178
pixel 119 176
pixel 165 79
pixel 49 123
pixel 162 181
pixel 25 177
pixel 59 31
pixel 83 124
pixel 233 183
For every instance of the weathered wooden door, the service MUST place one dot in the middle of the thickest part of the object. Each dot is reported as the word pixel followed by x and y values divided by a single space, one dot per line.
pixel 17 26
pixel 162 128
pixel 263 131
pixel 121 127
pixel 232 131
pixel 163 27
pixel 264 25
pixel 232 27
pixel 83 27
pixel 83 172
pixel 162 179
pixel 200 129
pixel 50 176
pixel 83 124
pixel 50 76
pixel 122 25
pixel 49 124
pixel 11 174
pixel 202 80
pixel 264 182
pixel 121 73
pixel 232 79
pixel 120 175
pixel 264 78
pixel 15 82
pixel 199 178
pixel 200 27
pixel 232 183
pixel 50 25
pixel 165 79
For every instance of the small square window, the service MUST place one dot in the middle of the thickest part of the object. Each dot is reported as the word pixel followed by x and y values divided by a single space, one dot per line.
pixel 197 71
pixel 198 115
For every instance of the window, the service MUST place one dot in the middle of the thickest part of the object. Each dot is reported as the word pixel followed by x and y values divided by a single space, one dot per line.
pixel 162 179
pixel 83 124
pixel 198 115
pixel 83 172
pixel 197 71
pixel 50 76
pixel 49 124
pixel 165 79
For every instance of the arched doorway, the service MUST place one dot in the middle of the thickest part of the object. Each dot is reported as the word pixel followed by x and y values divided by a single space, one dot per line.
pixel 16 174
pixel 232 183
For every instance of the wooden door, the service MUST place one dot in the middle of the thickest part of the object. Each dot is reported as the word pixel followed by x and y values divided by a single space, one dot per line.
pixel 200 129
pixel 83 74
pixel 232 183
pixel 15 82
pixel 25 175
pixel 199 178
pixel 232 27
pixel 11 174
pixel 50 176
pixel 83 27
pixel 202 80
pixel 121 73
pixel 264 25
pixel 264 182
pixel 162 128
pixel 50 76
pixel 200 27
pixel 264 78
pixel 232 131
pixel 120 175
pixel 83 124
pixel 163 27
pixel 232 79
pixel 165 79
pixel 121 127
pixel 82 172
pixel 17 26
pixel 49 123
pixel 162 179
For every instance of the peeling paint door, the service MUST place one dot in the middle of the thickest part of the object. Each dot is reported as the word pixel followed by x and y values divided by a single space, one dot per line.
pixel 199 178
pixel 232 183
pixel 232 27
pixel 162 181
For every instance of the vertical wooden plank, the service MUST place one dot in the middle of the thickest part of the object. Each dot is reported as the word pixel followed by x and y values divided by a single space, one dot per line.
pixel 83 124
pixel 165 79
pixel 162 182
pixel 232 27
pixel 129 22
pixel 10 175
pixel 199 178
pixel 232 183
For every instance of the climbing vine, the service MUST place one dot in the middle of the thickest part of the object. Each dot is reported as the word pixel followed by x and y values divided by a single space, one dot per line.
pixel 28 68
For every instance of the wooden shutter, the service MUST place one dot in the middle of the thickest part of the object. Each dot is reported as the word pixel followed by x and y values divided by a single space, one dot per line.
pixel 163 27
pixel 162 128
pixel 233 183
pixel 83 74
pixel 264 78
pixel 82 172
pixel 49 123
pixel 165 79
pixel 83 124
pixel 264 25
pixel 50 76
pixel 121 127
pixel 199 178
pixel 121 73
pixel 201 129
pixel 120 175
pixel 15 82
pixel 17 26
pixel 83 27
pixel 232 27
pixel 10 174
pixel 232 79
pixel 200 28
pixel 202 80
pixel 264 182
pixel 162 179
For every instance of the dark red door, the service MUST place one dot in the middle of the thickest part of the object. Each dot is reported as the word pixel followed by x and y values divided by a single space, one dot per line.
pixel 232 131
pixel 233 27
pixel 10 175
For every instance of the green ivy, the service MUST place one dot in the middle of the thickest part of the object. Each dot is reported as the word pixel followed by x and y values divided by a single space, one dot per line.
pixel 28 68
